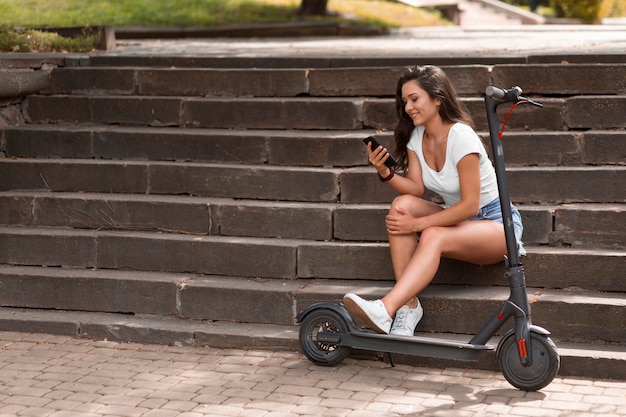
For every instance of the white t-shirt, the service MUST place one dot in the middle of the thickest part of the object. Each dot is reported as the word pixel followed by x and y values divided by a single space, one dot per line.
pixel 462 140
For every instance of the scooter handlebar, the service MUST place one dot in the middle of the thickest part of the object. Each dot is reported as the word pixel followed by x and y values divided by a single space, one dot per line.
pixel 497 93
pixel 513 94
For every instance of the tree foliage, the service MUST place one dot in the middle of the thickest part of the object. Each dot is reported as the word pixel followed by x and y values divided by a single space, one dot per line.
pixel 587 10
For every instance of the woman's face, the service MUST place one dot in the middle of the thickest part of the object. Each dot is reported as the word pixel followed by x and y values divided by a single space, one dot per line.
pixel 420 107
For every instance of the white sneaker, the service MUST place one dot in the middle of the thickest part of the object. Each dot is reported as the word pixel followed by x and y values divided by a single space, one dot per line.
pixel 372 313
pixel 406 320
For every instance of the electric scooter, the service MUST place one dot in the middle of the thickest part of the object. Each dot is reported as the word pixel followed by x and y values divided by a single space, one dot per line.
pixel 527 356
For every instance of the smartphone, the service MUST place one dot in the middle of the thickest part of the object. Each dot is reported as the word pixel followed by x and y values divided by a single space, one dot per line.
pixel 390 162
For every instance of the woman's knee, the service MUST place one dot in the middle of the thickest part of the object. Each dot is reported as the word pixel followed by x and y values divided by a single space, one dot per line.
pixel 432 236
pixel 414 205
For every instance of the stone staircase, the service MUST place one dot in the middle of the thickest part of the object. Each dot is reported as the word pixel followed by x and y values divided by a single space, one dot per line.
pixel 479 12
pixel 207 202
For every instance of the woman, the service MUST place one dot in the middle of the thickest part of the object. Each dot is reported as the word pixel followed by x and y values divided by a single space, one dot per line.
pixel 439 150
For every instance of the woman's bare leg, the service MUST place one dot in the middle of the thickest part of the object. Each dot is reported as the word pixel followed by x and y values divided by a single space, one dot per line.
pixel 403 247
pixel 480 242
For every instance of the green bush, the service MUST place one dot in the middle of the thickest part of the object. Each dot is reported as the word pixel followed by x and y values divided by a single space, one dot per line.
pixel 587 10
pixel 27 40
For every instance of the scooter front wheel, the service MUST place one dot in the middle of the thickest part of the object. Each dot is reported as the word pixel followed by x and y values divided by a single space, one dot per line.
pixel 544 367
pixel 326 352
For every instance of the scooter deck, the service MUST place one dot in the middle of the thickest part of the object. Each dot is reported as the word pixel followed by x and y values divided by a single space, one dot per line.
pixel 414 345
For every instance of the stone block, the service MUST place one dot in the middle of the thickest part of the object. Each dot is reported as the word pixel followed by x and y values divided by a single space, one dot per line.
pixel 17 210
pixel 379 114
pixel 562 79
pixel 21 83
pixel 344 261
pixel 469 80
pixel 590 225
pixel 382 81
pixel 596 112
pixel 540 148
pixel 196 145
pixel 222 82
pixel 589 317
pixel 361 185
pixel 138 329
pixel 360 222
pixel 294 113
pixel 48 142
pixel 89 290
pixel 301 148
pixel 591 269
pixel 537 221
pixel 554 185
pixel 45 247
pixel 41 321
pixel 93 81
pixel 267 301
pixel 148 111
pixel 33 60
pixel 342 82
pixel 285 220
pixel 57 108
pixel 109 212
pixel 582 57
pixel 244 257
pixel 254 182
pixel 68 175
pixel 604 147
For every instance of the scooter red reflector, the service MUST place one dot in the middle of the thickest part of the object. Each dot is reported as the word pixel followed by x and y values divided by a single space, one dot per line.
pixel 521 344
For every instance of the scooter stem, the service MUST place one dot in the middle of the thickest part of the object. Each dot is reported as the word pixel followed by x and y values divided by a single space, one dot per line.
pixel 503 189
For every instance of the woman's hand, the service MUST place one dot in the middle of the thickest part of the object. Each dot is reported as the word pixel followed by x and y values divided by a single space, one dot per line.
pixel 377 158
pixel 402 223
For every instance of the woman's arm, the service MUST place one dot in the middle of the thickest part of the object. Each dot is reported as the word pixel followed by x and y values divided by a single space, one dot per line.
pixel 469 178
pixel 410 184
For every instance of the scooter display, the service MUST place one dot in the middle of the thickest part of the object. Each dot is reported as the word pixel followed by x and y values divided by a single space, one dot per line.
pixel 526 355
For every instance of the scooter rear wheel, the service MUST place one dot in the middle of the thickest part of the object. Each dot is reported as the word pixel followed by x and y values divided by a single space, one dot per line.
pixel 544 367
pixel 323 352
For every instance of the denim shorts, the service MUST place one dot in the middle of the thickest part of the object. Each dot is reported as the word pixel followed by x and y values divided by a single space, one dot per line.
pixel 493 212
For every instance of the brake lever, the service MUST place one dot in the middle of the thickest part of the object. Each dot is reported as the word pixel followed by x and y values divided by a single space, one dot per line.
pixel 529 101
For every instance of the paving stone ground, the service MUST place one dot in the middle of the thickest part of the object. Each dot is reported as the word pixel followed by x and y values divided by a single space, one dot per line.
pixel 63 376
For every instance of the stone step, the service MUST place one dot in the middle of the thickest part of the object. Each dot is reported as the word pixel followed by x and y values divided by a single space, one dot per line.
pixel 577 359
pixel 542 185
pixel 195 60
pixel 314 113
pixel 460 309
pixel 291 147
pixel 570 225
pixel 540 79
pixel 289 259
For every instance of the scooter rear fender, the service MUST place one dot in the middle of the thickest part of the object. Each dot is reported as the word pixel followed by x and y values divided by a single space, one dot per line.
pixel 337 308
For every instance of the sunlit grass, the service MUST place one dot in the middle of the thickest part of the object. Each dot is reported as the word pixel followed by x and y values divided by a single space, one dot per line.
pixel 42 13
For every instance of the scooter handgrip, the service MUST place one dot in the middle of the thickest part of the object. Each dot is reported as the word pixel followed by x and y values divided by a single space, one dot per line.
pixel 495 92
pixel 502 94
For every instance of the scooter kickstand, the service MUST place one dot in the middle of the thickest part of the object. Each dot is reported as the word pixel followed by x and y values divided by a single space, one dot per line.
pixel 391 361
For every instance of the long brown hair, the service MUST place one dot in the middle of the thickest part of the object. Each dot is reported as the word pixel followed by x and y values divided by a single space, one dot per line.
pixel 436 83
